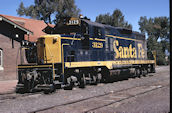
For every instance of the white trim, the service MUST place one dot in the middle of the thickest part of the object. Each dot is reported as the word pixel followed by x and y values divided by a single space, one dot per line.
pixel 1 68
pixel 1 58
pixel 16 25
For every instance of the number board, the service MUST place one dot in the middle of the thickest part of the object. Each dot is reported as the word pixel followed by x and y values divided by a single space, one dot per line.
pixel 73 21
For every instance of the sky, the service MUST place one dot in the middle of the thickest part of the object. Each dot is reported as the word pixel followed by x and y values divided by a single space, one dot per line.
pixel 131 9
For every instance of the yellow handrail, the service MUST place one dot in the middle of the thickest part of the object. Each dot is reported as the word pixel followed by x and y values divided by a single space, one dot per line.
pixel 63 57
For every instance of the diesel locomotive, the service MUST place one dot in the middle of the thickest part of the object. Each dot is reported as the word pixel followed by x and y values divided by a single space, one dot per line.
pixel 78 52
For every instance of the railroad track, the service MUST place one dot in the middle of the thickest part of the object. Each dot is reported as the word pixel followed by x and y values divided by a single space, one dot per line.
pixel 13 95
pixel 117 96
pixel 125 98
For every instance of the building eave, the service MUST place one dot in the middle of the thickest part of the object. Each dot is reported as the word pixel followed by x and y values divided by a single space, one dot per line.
pixel 2 18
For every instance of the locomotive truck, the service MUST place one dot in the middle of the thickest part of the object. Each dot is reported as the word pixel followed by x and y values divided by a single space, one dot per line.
pixel 78 52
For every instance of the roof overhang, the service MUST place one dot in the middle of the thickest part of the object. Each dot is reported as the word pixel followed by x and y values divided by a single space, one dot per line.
pixel 2 18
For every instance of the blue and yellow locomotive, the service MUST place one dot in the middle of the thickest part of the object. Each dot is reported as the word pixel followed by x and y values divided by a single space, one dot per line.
pixel 79 51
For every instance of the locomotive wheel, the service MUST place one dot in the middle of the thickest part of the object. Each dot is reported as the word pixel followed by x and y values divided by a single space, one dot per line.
pixel 46 91
pixel 144 71
pixel 135 74
pixel 107 77
pixel 27 86
pixel 138 72
pixel 103 80
pixel 69 85
pixel 149 68
pixel 82 81
pixel 153 68
pixel 50 90
pixel 99 77
pixel 94 80
pixel 20 90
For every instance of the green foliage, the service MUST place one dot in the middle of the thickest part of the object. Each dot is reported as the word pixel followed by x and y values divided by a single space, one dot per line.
pixel 157 30
pixel 66 8
pixel 46 9
pixel 116 19
pixel 152 44
pixel 160 55
pixel 21 10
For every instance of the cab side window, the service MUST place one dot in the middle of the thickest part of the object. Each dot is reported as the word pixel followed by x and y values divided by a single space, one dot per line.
pixel 84 29
pixel 85 36
pixel 107 32
pixel 97 32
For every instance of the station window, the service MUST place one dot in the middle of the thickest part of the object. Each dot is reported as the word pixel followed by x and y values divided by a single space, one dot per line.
pixel 1 59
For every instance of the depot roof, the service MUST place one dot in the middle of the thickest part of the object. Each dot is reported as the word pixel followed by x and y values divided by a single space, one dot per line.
pixel 32 27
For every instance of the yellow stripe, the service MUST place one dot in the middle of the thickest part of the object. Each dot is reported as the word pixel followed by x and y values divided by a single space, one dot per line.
pixel 123 38
pixel 100 39
pixel 108 64
pixel 80 39
pixel 70 38
pixel 90 38
pixel 97 39
pixel 34 66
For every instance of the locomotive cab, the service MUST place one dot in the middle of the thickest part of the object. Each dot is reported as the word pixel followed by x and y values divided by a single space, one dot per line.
pixel 48 50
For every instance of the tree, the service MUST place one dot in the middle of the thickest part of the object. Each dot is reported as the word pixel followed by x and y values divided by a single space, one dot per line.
pixel 116 19
pixel 157 30
pixel 21 9
pixel 104 19
pixel 49 10
pixel 66 8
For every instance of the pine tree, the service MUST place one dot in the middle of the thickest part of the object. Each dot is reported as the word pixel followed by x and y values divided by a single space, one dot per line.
pixel 116 19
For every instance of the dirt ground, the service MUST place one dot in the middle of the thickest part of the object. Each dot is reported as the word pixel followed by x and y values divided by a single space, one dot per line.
pixel 148 94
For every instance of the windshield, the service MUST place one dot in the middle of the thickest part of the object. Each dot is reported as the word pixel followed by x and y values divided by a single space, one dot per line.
pixel 68 29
